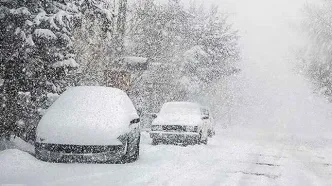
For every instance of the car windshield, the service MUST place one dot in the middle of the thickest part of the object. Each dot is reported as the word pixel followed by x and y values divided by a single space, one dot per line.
pixel 204 92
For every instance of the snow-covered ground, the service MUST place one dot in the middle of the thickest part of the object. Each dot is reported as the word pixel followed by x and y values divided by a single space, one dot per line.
pixel 279 132
pixel 234 157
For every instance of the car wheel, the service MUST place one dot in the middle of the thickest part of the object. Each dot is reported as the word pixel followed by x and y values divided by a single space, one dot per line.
pixel 200 140
pixel 37 154
pixel 133 153
pixel 205 141
pixel 210 133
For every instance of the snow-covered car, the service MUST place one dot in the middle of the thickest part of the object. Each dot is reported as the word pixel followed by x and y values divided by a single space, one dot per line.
pixel 206 113
pixel 180 122
pixel 89 124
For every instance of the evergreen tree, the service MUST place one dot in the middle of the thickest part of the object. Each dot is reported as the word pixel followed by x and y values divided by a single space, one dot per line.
pixel 317 58
pixel 37 56
pixel 94 37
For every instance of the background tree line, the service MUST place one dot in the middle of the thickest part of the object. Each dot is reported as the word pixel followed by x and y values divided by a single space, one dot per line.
pixel 317 55
pixel 49 45
pixel 191 46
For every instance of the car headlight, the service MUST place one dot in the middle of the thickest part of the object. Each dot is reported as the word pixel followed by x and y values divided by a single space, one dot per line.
pixel 191 128
pixel 156 128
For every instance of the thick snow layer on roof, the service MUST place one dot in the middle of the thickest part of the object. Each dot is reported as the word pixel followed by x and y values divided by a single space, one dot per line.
pixel 180 107
pixel 45 33
pixel 67 62
pixel 179 113
pixel 87 116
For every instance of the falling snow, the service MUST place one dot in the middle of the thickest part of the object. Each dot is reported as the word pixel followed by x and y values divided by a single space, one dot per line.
pixel 257 71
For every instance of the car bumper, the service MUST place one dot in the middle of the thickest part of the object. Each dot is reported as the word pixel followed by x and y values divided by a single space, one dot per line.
pixel 175 137
pixel 61 157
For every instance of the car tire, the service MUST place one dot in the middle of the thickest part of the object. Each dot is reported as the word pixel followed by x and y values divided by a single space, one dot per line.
pixel 205 141
pixel 37 154
pixel 129 157
pixel 210 133
pixel 200 140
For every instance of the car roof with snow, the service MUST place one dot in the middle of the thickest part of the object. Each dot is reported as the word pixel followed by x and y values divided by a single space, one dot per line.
pixel 181 107
pixel 91 114
pixel 179 113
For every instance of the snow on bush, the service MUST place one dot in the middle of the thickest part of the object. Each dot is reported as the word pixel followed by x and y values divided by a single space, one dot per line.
pixel 51 97
pixel 29 41
pixel 195 55
pixel 45 34
pixel 23 11
pixel 190 84
pixel 66 63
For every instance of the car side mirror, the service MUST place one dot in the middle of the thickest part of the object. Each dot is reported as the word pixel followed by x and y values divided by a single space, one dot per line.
pixel 154 115
pixel 205 117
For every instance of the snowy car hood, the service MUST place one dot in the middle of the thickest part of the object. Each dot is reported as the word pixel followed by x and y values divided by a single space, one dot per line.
pixel 177 119
pixel 87 116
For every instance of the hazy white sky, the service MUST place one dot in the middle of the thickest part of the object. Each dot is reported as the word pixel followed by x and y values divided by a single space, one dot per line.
pixel 268 92
pixel 266 29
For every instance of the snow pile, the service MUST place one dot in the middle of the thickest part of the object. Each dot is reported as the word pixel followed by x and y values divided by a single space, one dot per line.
pixel 87 116
pixel 19 159
pixel 22 145
pixel 17 143
pixel 233 157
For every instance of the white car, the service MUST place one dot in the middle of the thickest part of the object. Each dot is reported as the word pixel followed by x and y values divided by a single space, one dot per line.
pixel 180 122
pixel 89 124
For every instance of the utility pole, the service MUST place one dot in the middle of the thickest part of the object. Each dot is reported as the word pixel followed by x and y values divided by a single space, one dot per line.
pixel 114 75
pixel 121 28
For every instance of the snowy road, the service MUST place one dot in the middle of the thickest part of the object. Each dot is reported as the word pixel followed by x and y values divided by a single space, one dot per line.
pixel 233 157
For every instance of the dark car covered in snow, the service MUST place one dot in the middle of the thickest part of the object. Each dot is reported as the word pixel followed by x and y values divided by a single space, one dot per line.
pixel 89 124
